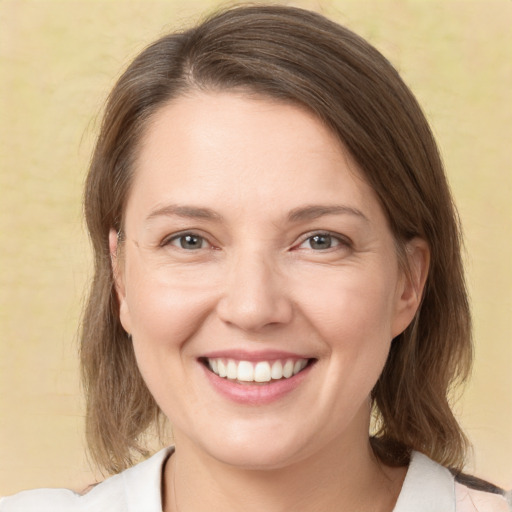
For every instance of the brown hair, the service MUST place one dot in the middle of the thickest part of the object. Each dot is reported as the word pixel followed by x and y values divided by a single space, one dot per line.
pixel 296 56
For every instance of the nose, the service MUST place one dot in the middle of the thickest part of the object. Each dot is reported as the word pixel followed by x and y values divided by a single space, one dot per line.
pixel 255 295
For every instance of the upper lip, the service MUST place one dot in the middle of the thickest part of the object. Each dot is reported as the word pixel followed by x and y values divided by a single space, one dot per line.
pixel 245 355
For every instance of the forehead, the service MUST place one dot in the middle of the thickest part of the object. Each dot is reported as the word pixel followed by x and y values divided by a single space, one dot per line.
pixel 240 116
pixel 231 147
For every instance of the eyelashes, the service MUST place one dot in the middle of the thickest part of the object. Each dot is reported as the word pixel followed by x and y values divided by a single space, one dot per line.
pixel 323 241
pixel 319 241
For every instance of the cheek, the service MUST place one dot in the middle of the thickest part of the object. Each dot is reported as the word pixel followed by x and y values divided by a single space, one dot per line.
pixel 164 307
pixel 352 312
pixel 165 312
pixel 350 306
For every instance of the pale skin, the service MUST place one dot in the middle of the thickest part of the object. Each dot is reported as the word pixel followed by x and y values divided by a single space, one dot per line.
pixel 249 229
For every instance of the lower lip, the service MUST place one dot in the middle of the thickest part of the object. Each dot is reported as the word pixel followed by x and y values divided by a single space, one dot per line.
pixel 255 393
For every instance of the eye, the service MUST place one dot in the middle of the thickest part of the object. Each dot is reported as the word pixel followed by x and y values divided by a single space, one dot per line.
pixel 322 242
pixel 188 241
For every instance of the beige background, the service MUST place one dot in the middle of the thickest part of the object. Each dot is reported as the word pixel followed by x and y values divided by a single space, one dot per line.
pixel 58 61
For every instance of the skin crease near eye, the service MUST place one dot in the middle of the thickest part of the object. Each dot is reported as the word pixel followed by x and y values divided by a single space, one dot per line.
pixel 251 237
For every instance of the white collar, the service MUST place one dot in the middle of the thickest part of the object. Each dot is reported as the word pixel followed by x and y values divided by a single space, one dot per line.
pixel 427 487
pixel 143 483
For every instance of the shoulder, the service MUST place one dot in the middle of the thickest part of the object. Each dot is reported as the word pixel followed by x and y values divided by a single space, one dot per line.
pixel 136 489
pixel 428 487
pixel 108 495
pixel 40 500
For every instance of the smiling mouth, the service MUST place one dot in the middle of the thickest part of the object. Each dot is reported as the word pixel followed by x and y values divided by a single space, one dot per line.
pixel 256 372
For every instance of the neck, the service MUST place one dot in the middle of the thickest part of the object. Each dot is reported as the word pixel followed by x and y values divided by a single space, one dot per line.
pixel 335 478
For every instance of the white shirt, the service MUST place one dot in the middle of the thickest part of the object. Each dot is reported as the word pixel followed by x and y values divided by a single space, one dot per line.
pixel 428 487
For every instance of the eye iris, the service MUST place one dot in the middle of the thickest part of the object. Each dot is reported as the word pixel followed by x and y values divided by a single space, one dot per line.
pixel 191 242
pixel 321 242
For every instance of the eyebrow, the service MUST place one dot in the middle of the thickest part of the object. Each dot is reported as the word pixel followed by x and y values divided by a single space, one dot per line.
pixel 302 213
pixel 187 212
pixel 314 211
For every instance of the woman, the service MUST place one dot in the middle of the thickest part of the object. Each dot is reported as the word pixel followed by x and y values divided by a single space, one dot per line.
pixel 277 272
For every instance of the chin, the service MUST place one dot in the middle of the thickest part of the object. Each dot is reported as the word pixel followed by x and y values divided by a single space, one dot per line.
pixel 257 452
pixel 256 460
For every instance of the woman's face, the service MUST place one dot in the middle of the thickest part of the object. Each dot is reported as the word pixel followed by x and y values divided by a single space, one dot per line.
pixel 259 280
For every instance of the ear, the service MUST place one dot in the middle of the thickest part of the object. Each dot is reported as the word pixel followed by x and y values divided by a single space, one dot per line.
pixel 410 290
pixel 119 283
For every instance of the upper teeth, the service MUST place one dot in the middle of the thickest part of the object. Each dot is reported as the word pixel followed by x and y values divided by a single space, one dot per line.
pixel 262 371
